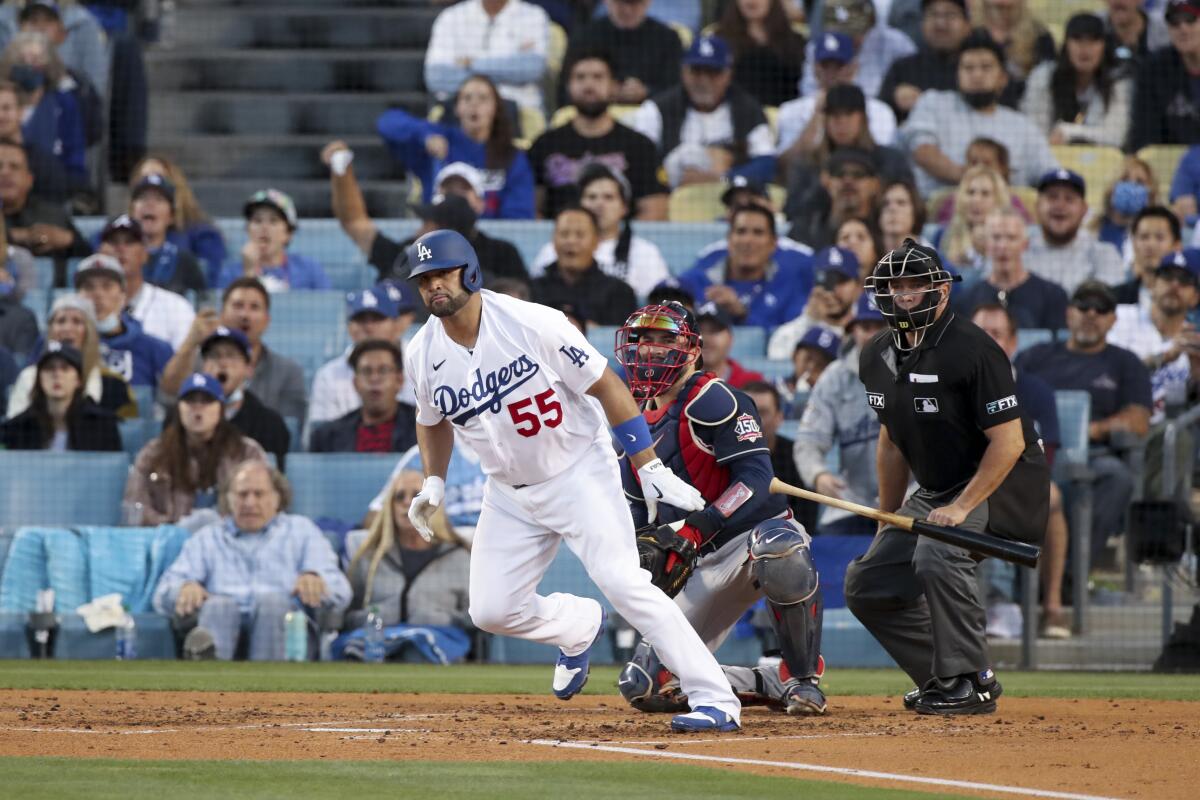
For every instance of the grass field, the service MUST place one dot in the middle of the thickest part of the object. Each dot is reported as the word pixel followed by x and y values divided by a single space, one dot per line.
pixel 521 679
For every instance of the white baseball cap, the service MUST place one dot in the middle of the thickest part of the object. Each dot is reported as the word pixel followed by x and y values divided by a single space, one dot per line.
pixel 460 169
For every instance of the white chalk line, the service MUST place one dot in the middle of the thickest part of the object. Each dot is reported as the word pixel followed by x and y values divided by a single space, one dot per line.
pixel 857 773
pixel 311 725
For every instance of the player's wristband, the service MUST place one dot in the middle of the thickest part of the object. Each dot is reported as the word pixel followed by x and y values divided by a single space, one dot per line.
pixel 634 435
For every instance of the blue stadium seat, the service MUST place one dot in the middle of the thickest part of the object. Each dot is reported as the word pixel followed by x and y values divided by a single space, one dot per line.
pixel 295 445
pixel 749 341
pixel 307 344
pixel 38 301
pixel 603 338
pixel 319 309
pixel 135 433
pixel 1028 337
pixel 1074 416
pixel 144 395
pixel 43 273
pixel 338 485
pixel 43 488
pixel 771 368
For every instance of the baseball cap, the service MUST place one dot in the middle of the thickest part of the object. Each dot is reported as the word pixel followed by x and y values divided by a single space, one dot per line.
pixel 38 5
pixel 709 52
pixel 1094 294
pixel 223 334
pixel 1062 176
pixel 854 17
pixel 711 312
pixel 845 97
pixel 865 310
pixel 844 156
pixel 64 351
pixel 834 47
pixel 75 301
pixel 273 198
pixel 1176 8
pixel 1085 25
pixel 833 265
pixel 449 211
pixel 204 384
pixel 821 338
pixel 741 183
pixel 99 264
pixel 154 183
pixel 370 301
pixel 401 293
pixel 463 170
pixel 1187 260
pixel 122 224
pixel 962 4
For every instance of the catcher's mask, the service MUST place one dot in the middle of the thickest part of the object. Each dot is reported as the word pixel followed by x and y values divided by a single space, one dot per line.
pixel 909 260
pixel 652 364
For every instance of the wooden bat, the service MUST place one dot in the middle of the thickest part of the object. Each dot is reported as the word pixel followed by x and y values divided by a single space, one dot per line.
pixel 980 543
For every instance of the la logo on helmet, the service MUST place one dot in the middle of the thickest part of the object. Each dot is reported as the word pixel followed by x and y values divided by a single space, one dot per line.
pixel 424 253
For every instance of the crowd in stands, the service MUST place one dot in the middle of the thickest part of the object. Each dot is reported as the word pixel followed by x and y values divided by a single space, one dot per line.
pixel 828 132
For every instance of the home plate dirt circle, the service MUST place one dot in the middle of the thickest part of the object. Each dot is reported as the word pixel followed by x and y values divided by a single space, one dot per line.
pixel 1035 746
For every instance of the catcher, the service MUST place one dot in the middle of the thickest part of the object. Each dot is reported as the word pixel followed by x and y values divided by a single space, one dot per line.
pixel 717 562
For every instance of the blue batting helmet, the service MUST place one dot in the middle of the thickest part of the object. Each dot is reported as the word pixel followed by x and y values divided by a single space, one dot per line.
pixel 445 249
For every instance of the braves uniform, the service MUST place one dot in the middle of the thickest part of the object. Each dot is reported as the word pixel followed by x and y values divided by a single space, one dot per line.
pixel 517 399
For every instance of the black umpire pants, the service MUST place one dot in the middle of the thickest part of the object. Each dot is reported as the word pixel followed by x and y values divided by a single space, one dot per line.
pixel 921 598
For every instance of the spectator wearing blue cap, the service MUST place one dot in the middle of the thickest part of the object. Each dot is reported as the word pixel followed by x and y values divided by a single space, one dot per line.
pixel 816 350
pixel 836 289
pixel 646 52
pixel 191 228
pixel 162 311
pixel 271 222
pixel 1033 302
pixel 943 124
pixel 837 416
pixel 768 56
pixel 61 416
pixel 749 284
pixel 877 45
pixel 177 472
pixel 707 128
pixel 1166 103
pixel 226 355
pixel 169 265
pixel 370 314
pixel 1062 250
pixel 382 424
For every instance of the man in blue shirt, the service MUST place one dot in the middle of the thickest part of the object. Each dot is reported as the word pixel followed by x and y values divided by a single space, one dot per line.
pixel 238 577
pixel 750 285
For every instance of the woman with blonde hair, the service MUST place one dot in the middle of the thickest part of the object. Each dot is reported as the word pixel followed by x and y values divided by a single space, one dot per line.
pixel 1025 41
pixel 1133 188
pixel 410 581
pixel 192 230
pixel 72 322
pixel 980 191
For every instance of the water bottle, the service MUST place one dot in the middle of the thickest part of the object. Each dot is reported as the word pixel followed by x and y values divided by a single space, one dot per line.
pixel 295 642
pixel 373 650
pixel 127 637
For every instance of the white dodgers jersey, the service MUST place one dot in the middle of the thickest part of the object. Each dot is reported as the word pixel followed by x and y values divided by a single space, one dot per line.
pixel 518 397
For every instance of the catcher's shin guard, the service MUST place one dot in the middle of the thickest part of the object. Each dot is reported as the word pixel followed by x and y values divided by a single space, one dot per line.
pixel 649 686
pixel 781 562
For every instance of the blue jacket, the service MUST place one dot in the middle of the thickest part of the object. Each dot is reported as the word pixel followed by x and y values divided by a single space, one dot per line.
pixel 56 125
pixel 298 272
pixel 779 297
pixel 508 193
pixel 205 242
pixel 135 355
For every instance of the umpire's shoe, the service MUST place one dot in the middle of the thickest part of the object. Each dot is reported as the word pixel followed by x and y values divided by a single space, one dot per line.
pixel 703 719
pixel 804 699
pixel 571 672
pixel 973 693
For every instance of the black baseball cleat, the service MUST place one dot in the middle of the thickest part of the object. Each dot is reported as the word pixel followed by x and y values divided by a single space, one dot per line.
pixel 973 693
pixel 910 699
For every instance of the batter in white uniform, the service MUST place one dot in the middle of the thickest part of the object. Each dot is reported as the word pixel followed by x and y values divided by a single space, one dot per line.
pixel 512 378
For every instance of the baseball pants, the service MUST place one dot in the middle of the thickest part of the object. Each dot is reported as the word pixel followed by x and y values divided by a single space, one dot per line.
pixel 920 598
pixel 516 539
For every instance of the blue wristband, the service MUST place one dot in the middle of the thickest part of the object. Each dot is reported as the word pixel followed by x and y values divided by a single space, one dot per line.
pixel 634 435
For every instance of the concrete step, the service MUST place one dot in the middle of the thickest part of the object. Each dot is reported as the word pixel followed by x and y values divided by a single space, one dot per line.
pixel 273 157
pixel 261 113
pixel 304 27
pixel 223 197
pixel 333 70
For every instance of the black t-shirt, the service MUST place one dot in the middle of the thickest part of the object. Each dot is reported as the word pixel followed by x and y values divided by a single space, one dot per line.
pixel 770 79
pixel 38 211
pixel 602 299
pixel 650 52
pixel 560 155
pixel 263 425
pixel 1114 377
pixel 1036 303
pixel 929 69
pixel 498 257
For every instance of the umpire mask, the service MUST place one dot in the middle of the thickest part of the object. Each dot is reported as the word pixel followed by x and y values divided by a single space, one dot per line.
pixel 909 260
pixel 654 345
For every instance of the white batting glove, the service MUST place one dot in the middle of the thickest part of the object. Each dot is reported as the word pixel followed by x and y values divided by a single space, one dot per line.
pixel 660 485
pixel 423 506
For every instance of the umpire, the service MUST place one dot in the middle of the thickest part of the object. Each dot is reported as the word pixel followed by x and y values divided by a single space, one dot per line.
pixel 948 413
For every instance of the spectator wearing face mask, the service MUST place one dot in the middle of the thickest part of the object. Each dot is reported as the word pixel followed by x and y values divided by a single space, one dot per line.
pixel 1133 189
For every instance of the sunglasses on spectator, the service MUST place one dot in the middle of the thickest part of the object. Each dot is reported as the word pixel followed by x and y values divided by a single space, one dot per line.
pixel 1099 306
pixel 1179 275
pixel 1180 17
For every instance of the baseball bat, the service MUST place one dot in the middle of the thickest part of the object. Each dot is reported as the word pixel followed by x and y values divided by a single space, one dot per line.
pixel 980 543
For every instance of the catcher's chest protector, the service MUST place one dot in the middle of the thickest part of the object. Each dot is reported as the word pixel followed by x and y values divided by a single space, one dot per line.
pixel 677 444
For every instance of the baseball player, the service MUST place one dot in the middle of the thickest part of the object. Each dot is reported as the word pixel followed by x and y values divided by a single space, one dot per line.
pixel 719 560
pixel 513 380
pixel 949 416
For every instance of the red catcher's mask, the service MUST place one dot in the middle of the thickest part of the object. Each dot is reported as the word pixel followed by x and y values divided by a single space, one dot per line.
pixel 652 363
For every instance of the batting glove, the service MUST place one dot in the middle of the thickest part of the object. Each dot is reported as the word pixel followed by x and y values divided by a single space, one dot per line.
pixel 660 485
pixel 423 506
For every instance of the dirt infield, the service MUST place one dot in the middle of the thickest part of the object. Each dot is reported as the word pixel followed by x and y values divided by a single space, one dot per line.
pixel 1117 748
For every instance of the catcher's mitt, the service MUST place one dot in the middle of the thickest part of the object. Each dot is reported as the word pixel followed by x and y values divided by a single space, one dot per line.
pixel 668 555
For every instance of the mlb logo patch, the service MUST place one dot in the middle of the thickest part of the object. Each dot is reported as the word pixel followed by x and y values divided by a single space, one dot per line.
pixel 874 400
pixel 925 405
pixel 1003 404
pixel 747 429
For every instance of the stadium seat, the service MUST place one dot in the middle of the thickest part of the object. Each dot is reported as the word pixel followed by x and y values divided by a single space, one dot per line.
pixel 144 396
pixel 1028 337
pixel 338 485
pixel 295 443
pixel 45 488
pixel 556 50
pixel 697 202
pixel 749 341
pixel 771 368
pixel 323 309
pixel 1164 161
pixel 38 301
pixel 43 273
pixel 135 433
pixel 1057 12
pixel 1098 166
pixel 305 343
pixel 1071 471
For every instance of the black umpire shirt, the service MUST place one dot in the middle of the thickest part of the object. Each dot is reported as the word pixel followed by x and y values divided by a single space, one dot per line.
pixel 936 403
